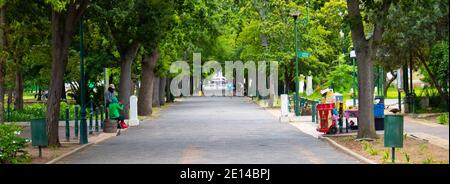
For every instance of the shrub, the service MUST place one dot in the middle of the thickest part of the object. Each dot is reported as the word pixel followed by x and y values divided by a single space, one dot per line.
pixel 38 110
pixel 369 148
pixel 12 147
pixel 443 119
pixel 386 156
pixel 29 112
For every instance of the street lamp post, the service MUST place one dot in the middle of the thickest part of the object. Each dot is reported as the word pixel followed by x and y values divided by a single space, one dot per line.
pixel 353 57
pixel 83 125
pixel 296 102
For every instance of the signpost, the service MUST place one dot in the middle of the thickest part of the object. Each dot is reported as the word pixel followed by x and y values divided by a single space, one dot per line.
pixel 303 54
pixel 353 57
pixel 400 88
pixel 393 133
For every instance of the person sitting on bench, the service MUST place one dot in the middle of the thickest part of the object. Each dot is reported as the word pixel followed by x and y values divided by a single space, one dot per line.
pixel 114 112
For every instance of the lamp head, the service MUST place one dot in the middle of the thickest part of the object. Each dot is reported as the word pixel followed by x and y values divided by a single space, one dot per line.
pixel 295 14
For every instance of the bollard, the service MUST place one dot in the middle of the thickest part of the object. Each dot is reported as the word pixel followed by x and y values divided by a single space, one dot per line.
pixel 101 117
pixel 341 116
pixel 306 102
pixel 317 117
pixel 133 121
pixel 413 102
pixel 90 121
pixel 76 120
pixel 9 110
pixel 313 110
pixel 284 108
pixel 302 102
pixel 96 120
pixel 289 103
pixel 67 125
pixel 399 100
pixel 346 125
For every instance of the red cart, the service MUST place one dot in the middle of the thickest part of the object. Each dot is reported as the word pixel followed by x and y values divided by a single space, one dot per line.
pixel 326 122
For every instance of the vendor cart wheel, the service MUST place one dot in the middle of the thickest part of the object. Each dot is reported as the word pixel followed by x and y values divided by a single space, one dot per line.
pixel 333 130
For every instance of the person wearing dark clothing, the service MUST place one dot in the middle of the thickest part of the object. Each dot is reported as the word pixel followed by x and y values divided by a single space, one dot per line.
pixel 109 94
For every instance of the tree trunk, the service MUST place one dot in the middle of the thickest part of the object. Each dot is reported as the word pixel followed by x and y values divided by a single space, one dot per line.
pixel 156 86
pixel 18 101
pixel 444 95
pixel 365 51
pixel 162 91
pixel 136 88
pixel 2 61
pixel 169 97
pixel 126 59
pixel 388 83
pixel 53 104
pixel 39 91
pixel 111 79
pixel 63 29
pixel 10 97
pixel 63 91
pixel 288 76
pixel 271 92
pixel 133 88
pixel 146 90
pixel 286 87
pixel 366 120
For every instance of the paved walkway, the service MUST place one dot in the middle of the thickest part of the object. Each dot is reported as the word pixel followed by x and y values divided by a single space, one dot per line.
pixel 414 126
pixel 433 132
pixel 212 130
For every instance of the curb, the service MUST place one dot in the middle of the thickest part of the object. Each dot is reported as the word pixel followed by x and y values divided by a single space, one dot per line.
pixel 348 151
pixel 69 153
pixel 79 149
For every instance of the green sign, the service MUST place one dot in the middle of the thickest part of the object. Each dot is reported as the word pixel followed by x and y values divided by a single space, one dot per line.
pixel 91 85
pixel 393 131
pixel 39 136
pixel 303 54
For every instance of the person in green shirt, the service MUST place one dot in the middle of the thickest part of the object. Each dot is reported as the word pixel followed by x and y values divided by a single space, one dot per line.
pixel 114 111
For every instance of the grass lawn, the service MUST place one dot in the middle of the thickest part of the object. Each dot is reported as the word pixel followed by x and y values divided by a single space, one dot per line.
pixel 392 92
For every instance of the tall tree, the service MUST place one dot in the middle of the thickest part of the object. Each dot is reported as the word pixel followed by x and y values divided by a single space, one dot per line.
pixel 146 90
pixel 366 48
pixel 122 20
pixel 28 22
pixel 414 29
pixel 3 56
pixel 132 24
pixel 160 16
pixel 66 15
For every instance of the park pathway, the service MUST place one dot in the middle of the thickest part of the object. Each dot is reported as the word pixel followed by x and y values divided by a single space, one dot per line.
pixel 212 130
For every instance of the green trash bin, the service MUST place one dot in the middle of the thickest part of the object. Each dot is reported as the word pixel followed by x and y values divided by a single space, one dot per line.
pixel 393 131
pixel 39 136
